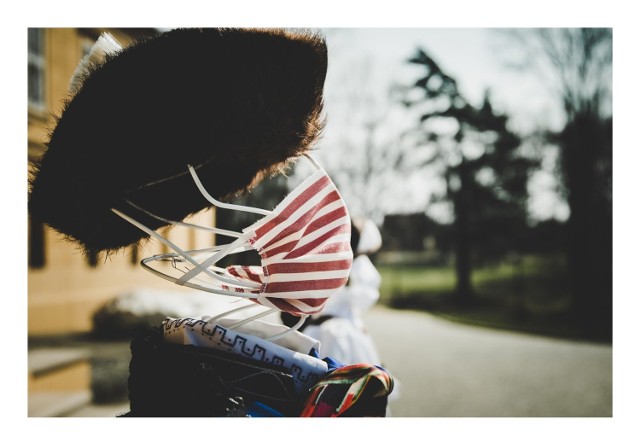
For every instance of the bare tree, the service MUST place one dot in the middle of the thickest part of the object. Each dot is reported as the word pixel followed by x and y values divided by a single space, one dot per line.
pixel 576 64
pixel 363 153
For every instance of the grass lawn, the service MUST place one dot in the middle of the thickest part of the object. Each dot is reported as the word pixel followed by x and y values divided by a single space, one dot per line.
pixel 529 296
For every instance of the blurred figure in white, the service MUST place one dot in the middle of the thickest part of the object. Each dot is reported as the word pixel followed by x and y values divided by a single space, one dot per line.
pixel 340 327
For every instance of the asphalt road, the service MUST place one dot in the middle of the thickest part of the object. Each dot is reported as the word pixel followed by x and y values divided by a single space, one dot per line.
pixel 446 369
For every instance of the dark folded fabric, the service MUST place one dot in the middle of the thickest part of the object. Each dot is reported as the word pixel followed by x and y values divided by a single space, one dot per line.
pixel 172 380
pixel 359 390
pixel 169 380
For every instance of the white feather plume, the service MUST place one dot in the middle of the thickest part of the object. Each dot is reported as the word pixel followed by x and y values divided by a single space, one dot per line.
pixel 106 44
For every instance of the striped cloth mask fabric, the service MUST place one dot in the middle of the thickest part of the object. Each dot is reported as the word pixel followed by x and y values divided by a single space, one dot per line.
pixel 304 246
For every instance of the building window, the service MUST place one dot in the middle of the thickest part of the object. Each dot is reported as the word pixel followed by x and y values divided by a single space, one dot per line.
pixel 135 255
pixel 36 244
pixel 36 63
pixel 92 259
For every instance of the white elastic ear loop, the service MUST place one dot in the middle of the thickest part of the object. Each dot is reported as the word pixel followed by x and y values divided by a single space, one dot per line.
pixel 215 230
pixel 232 311
pixel 224 205
pixel 295 327
pixel 198 267
pixel 203 267
pixel 206 287
pixel 220 204
pixel 255 317
pixel 313 161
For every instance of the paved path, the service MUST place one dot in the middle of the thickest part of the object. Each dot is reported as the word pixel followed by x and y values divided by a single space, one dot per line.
pixel 447 369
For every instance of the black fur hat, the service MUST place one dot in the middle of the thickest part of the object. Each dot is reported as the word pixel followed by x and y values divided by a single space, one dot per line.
pixel 237 104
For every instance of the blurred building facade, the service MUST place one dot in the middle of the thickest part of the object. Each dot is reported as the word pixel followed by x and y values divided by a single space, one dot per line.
pixel 64 287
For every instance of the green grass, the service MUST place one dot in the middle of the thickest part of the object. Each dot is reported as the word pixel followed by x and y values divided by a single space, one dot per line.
pixel 529 296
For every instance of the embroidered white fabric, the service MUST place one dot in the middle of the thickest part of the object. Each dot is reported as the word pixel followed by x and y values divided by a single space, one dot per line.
pixel 305 369
pixel 295 340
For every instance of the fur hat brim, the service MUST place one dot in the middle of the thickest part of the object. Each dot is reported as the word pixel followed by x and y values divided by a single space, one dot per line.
pixel 235 103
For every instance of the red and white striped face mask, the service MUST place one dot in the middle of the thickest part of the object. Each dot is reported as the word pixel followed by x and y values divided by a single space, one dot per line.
pixel 304 246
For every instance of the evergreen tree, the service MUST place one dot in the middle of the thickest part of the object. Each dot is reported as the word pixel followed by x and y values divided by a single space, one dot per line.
pixel 477 154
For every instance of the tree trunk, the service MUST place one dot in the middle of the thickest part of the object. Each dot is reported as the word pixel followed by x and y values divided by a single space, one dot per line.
pixel 464 290
pixel 589 225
